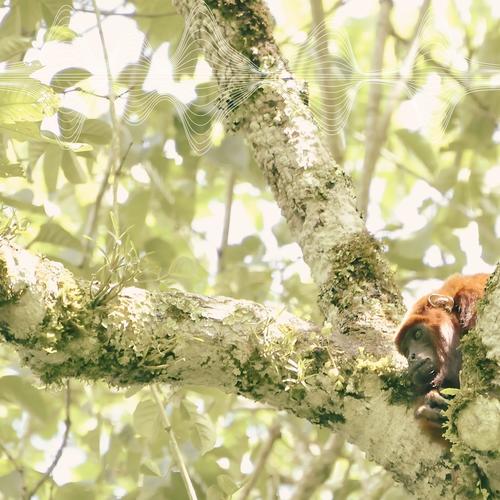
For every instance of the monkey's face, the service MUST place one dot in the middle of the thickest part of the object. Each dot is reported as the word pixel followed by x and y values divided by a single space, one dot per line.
pixel 420 352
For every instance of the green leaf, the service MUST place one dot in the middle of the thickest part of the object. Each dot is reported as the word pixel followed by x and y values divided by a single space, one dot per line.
pixel 150 468
pixel 11 23
pixel 11 170
pixel 52 10
pixel 51 232
pixel 96 132
pixel 160 251
pixel 201 428
pixel 22 200
pixel 75 491
pixel 13 46
pixel 26 101
pixel 31 15
pixel 70 124
pixel 282 233
pixel 227 484
pixel 25 131
pixel 18 391
pixel 92 439
pixel 68 77
pixel 134 74
pixel 449 391
pixel 215 493
pixel 60 33
pixel 232 152
pixel 420 147
pixel 51 163
pixel 147 418
pixel 11 485
pixel 72 168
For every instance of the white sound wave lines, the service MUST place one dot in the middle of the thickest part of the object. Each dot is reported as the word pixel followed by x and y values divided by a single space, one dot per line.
pixel 205 95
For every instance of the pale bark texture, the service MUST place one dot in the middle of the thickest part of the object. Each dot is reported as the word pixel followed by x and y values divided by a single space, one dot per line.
pixel 240 347
pixel 357 293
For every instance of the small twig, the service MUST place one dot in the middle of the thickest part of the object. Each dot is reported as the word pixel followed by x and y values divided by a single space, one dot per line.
pixel 67 423
pixel 267 447
pixel 177 455
pixel 94 213
pixel 320 468
pixel 390 156
pixel 115 141
pixel 227 218
pixel 83 91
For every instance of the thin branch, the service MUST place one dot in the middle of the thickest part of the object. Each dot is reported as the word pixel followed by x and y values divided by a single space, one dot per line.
pixel 427 55
pixel 481 107
pixel 173 444
pixel 17 466
pixel 115 141
pixel 335 138
pixel 373 106
pixel 83 91
pixel 227 218
pixel 95 209
pixel 391 157
pixel 64 442
pixel 320 468
pixel 379 134
pixel 267 447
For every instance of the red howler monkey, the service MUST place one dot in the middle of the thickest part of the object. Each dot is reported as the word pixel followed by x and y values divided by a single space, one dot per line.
pixel 430 335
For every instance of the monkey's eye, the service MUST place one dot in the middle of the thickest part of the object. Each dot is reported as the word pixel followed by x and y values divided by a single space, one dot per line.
pixel 417 334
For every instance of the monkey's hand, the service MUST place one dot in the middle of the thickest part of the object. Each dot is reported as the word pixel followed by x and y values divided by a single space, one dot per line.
pixel 432 409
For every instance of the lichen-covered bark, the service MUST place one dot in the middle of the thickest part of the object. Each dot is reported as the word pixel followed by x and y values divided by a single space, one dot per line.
pixel 238 346
pixel 356 290
pixel 475 412
pixel 357 293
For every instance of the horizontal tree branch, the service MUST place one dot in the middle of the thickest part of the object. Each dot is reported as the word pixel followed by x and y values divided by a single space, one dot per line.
pixel 240 347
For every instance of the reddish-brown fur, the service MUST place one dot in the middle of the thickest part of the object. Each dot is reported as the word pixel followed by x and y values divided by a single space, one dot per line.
pixel 465 292
pixel 446 321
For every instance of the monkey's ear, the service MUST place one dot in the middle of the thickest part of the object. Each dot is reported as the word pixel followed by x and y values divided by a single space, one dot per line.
pixel 441 301
pixel 465 308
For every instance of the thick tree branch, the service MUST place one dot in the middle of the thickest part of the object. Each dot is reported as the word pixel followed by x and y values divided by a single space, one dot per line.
pixel 234 345
pixel 475 412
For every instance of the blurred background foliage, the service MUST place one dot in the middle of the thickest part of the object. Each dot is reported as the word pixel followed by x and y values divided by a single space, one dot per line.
pixel 208 224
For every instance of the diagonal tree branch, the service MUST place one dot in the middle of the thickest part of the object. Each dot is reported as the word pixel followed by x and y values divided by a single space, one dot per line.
pixel 378 135
pixel 64 442
pixel 357 292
